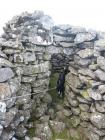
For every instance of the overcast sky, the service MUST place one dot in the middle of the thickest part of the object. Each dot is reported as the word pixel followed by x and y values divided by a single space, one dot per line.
pixel 85 13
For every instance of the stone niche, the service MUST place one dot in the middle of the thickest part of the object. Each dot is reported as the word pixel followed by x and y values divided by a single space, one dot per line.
pixel 30 48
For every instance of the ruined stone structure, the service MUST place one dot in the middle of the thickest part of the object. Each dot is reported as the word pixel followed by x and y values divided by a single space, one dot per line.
pixel 30 49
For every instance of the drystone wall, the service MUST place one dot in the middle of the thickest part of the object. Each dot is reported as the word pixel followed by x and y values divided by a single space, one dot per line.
pixel 30 48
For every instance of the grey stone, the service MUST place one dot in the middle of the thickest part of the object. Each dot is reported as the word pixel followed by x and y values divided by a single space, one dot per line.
pixel 93 136
pixel 37 14
pixel 96 130
pixel 101 89
pixel 57 127
pixel 9 116
pixel 85 95
pixel 44 37
pixel 21 131
pixel 7 134
pixel 18 58
pixel 101 62
pixel 101 35
pixel 94 84
pixel 59 32
pixel 67 45
pixel 40 91
pixel 46 22
pixel 44 118
pixel 69 93
pixel 85 116
pixel 42 82
pixel 63 26
pixel 84 107
pixel 98 119
pixel 74 133
pixel 9 43
pixel 99 45
pixel 27 79
pixel 84 62
pixel 72 102
pixel 76 30
pixel 100 74
pixel 2 107
pixel 92 108
pixel 75 121
pixel 26 99
pixel 62 39
pixel 67 112
pixel 85 79
pixel 53 49
pixel 94 94
pixel 73 70
pixel 34 69
pixel 82 37
pixel 46 57
pixel 43 131
pixel 2 54
pixel 59 116
pixel 27 138
pixel 5 62
pixel 87 72
pixel 6 74
pixel 47 99
pixel 73 80
pixel 86 53
pixel 100 106
pixel 14 85
pixel 75 111
pixel 35 138
pixel 29 57
pixel 11 51
pixel 83 100
pixel 40 111
pixel 93 67
pixel 5 91
pixel 1 129
pixel 51 113
pixel 68 51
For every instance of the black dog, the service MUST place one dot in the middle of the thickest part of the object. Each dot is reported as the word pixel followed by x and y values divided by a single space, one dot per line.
pixel 61 82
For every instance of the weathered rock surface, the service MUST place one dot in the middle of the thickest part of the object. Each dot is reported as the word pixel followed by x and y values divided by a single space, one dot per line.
pixel 6 74
pixel 82 37
pixel 98 120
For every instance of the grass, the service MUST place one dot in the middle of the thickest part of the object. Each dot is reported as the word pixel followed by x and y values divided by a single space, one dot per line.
pixel 31 132
pixel 63 135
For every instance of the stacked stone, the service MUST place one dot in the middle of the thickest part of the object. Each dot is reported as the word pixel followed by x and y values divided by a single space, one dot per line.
pixel 85 85
pixel 24 71
pixel 28 47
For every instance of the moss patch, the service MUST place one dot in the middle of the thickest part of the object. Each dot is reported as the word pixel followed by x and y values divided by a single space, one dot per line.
pixel 62 135
pixel 85 94
pixel 31 132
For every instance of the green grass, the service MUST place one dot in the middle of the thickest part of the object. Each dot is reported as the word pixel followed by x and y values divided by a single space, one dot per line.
pixel 31 132
pixel 63 135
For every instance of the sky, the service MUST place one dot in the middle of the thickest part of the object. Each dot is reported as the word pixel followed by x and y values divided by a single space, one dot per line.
pixel 85 13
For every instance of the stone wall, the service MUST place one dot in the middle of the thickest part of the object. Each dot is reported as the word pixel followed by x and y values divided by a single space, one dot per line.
pixel 30 48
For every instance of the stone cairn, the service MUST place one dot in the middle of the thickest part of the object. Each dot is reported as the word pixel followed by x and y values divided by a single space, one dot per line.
pixel 28 47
